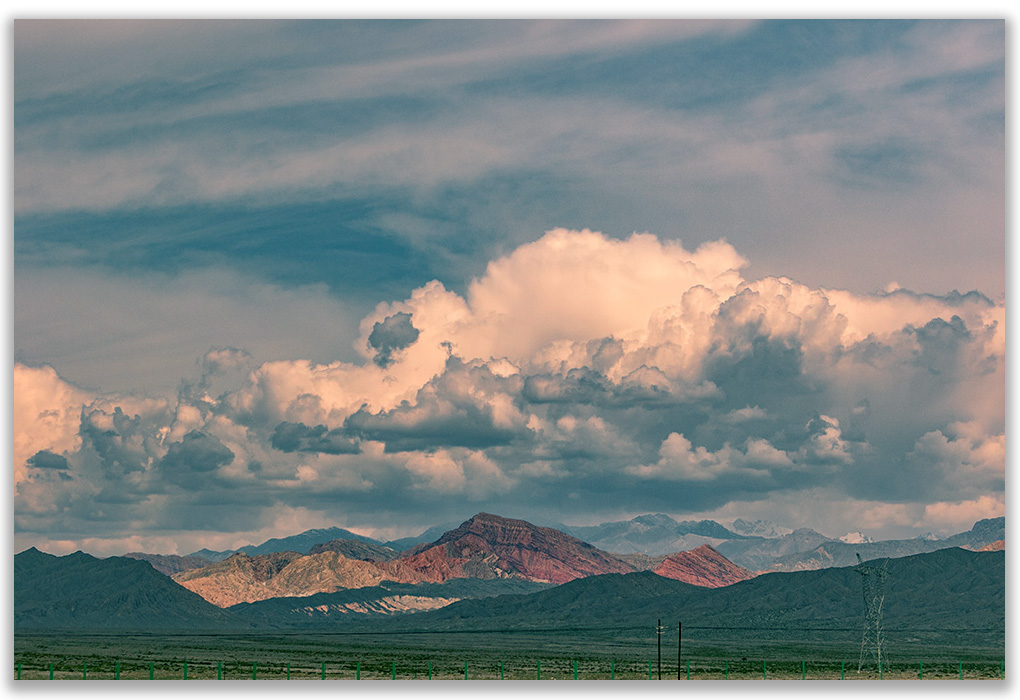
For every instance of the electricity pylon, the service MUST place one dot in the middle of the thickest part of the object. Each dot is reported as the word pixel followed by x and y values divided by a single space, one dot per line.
pixel 873 578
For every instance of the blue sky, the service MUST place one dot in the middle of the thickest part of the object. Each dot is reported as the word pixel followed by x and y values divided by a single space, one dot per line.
pixel 206 211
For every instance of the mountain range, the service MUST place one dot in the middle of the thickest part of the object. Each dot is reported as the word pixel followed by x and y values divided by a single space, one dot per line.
pixel 950 588
pixel 483 547
pixel 522 570
pixel 644 541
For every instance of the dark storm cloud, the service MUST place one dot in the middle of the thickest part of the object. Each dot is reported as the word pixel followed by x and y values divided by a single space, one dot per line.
pixel 393 333
pixel 298 437
pixel 124 447
pixel 44 459
pixel 197 453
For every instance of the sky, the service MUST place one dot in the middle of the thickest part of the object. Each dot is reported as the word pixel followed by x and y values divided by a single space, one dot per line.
pixel 276 275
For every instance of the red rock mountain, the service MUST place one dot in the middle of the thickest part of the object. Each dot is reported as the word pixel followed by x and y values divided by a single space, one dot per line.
pixel 702 566
pixel 488 546
pixel 997 546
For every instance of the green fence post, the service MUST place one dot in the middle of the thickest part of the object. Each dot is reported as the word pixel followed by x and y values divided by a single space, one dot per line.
pixel 727 670
pixel 612 670
pixel 842 670
pixel 84 669
pixel 688 669
pixel 116 672
pixel 920 670
pixel 465 670
pixel 538 670
pixel 1000 670
pixel 51 672
pixel 649 670
pixel 323 670
pixel 430 670
pixel 961 670
pixel 152 670
pixel 358 677
pixel 219 670
pixel 393 675
pixel 288 671
pixel 802 671
pixel 881 673
pixel 185 670
pixel 19 672
pixel 500 670
pixel 575 670
pixel 764 674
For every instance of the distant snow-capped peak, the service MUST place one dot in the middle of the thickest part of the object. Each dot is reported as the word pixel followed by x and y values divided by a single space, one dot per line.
pixel 855 538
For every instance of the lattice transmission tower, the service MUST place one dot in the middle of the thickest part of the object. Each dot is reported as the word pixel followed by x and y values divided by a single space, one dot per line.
pixel 873 578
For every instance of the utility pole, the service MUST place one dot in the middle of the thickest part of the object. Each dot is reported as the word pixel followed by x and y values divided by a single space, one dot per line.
pixel 658 633
pixel 679 644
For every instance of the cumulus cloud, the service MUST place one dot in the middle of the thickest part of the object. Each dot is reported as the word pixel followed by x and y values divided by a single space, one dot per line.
pixel 578 372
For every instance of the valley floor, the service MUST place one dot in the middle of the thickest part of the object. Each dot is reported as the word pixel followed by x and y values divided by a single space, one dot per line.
pixel 629 653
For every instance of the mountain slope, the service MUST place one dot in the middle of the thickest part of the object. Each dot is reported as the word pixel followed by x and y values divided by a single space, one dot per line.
pixel 353 549
pixel 388 598
pixel 759 553
pixel 652 535
pixel 302 543
pixel 488 546
pixel 169 564
pixel 838 553
pixel 702 566
pixel 244 579
pixel 80 591
pixel 948 588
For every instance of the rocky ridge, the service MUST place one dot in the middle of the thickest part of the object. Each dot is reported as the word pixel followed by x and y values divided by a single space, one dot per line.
pixel 703 566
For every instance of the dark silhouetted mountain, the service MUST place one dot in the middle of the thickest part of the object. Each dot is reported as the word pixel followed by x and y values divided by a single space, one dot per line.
pixel 170 564
pixel 79 591
pixel 488 546
pixel 353 549
pixel 702 566
pixel 948 588
pixel 653 535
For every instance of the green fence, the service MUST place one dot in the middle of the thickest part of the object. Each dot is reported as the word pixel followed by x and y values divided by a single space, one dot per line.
pixel 549 669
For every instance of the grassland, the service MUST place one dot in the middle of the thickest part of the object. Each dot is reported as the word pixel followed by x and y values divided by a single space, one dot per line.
pixel 622 654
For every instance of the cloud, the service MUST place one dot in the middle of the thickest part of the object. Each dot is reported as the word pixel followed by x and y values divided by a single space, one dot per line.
pixel 687 387
pixel 298 437
pixel 141 333
pixel 44 459
pixel 196 453
pixel 391 334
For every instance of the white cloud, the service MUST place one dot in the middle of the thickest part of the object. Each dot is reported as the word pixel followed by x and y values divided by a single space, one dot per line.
pixel 573 359
pixel 46 412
